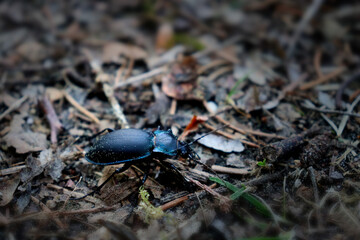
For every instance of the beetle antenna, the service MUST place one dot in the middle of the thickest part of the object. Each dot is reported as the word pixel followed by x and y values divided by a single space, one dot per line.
pixel 212 131
pixel 196 160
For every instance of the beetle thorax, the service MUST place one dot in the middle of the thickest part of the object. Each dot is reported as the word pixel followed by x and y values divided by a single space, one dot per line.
pixel 165 143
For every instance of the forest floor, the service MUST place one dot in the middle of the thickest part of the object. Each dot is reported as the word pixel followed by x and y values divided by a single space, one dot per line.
pixel 274 85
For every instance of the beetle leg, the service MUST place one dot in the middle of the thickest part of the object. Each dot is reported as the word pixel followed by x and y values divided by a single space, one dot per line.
pixel 119 170
pixel 143 180
pixel 172 166
pixel 145 174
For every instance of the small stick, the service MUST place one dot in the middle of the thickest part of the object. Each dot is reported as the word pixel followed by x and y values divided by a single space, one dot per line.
pixel 47 210
pixel 174 203
pixel 323 79
pixel 118 111
pixel 83 110
pixel 242 131
pixel 224 200
pixel 173 106
pixel 228 170
pixel 211 65
pixel 219 72
pixel 231 136
pixel 119 74
pixel 317 62
pixel 306 18
pixel 55 124
pixel 71 193
pixel 130 68
pixel 332 111
pixel 14 106
pixel 11 170
pixel 180 200
pixel 141 77
pixel 344 85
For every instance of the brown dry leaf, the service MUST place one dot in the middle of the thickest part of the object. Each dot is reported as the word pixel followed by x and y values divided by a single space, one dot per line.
pixel 181 82
pixel 113 50
pixel 25 142
pixel 74 32
pixel 7 189
pixel 32 51
pixel 164 37
pixel 7 99
pixel 54 94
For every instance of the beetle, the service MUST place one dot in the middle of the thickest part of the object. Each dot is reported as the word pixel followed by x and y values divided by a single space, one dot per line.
pixel 130 146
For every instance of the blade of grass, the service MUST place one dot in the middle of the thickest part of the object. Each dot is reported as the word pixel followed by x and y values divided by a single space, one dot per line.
pixel 239 192
pixel 233 89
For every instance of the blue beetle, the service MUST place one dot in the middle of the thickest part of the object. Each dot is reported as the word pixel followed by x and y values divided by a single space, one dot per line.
pixel 129 146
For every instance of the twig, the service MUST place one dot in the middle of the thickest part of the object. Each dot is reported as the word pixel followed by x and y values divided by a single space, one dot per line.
pixel 242 131
pixel 209 190
pixel 345 118
pixel 141 77
pixel 317 63
pixel 55 124
pixel 71 193
pixel 228 170
pixel 309 14
pixel 226 43
pixel 211 65
pixel 230 136
pixel 332 111
pixel 47 210
pixel 339 92
pixel 213 76
pixel 119 74
pixel 174 203
pixel 14 106
pixel 180 200
pixel 173 107
pixel 11 170
pixel 323 79
pixel 118 111
pixel 83 110
pixel 130 68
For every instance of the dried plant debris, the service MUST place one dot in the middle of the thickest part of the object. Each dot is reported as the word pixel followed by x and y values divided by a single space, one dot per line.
pixel 221 143
pixel 271 85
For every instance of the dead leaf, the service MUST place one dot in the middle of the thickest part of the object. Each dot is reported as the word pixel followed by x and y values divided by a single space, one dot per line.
pixel 181 82
pixel 25 142
pixel 221 144
pixel 54 94
pixel 192 126
pixel 33 51
pixel 164 37
pixel 7 189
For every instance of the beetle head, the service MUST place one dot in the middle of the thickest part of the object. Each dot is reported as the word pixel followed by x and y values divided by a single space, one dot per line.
pixel 185 151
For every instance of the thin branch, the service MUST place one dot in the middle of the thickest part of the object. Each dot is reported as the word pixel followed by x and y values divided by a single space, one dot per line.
pixel 14 106
pixel 141 77
pixel 309 14
pixel 83 110
pixel 332 111
pixel 55 124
